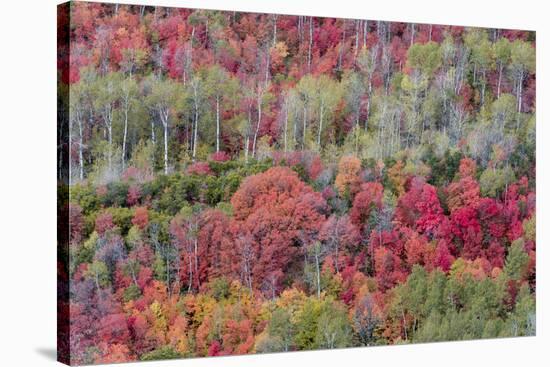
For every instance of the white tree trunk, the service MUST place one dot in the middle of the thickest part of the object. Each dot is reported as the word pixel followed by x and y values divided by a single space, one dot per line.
pixel 110 132
pixel 267 62
pixel 286 126
pixel 195 138
pixel 165 125
pixel 246 143
pixel 321 113
pixel 190 272
pixel 365 32
pixel 80 144
pixel 310 44
pixel 304 128
pixel 217 123
pixel 153 137
pixel 275 29
pixel 258 124
pixel 196 118
pixel 125 135
pixel 520 91
pixel 520 95
pixel 369 94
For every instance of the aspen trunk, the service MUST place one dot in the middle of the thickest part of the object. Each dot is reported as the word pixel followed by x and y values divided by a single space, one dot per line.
pixel 217 123
pixel 321 112
pixel 125 137
pixel 310 44
pixel 257 125
pixel 80 155
pixel 369 94
pixel 110 131
pixel 196 123
pixel 246 143
pixel 520 95
pixel 190 272
pixel 286 126
pixel 247 138
pixel 97 281
pixel 267 56
pixel 304 128
pixel 134 278
pixel 274 30
pixel 165 124
pixel 520 91
pixel 365 32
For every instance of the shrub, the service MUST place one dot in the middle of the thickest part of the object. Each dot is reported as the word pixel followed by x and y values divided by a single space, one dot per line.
pixel 165 352
pixel 199 169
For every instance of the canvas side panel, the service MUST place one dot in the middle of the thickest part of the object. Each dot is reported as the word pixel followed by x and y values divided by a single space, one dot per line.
pixel 63 133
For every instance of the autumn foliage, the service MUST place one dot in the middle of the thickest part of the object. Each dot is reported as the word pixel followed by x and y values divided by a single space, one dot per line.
pixel 251 183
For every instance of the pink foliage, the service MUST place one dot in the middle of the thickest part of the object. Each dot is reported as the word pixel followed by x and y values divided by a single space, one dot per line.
pixel 199 169
pixel 104 222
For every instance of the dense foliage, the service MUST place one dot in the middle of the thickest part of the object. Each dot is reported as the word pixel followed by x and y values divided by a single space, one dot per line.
pixel 248 183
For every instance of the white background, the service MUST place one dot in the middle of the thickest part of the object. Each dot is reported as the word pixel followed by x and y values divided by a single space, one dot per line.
pixel 28 181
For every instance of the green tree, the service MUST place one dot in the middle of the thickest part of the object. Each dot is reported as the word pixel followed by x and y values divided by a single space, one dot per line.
pixel 522 63
pixel 329 95
pixel 435 295
pixel 423 60
pixel 367 65
pixel 281 327
pixel 306 324
pixel 164 352
pixel 128 89
pixel 333 330
pixel 106 96
pixel 163 99
pixel 426 58
pixel 494 181
pixel 502 51
pixel 415 293
pixel 516 261
pixel 307 92
pixel 523 319
pixel 221 88
pixel 503 111
pixel 99 273
pixel 481 51
pixel 354 87
pixel 77 112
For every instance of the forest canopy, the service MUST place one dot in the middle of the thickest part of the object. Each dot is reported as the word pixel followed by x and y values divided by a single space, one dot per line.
pixel 249 183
